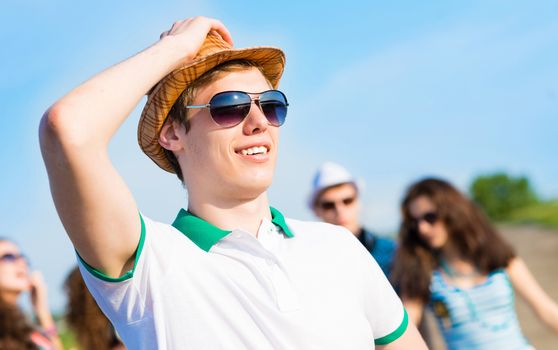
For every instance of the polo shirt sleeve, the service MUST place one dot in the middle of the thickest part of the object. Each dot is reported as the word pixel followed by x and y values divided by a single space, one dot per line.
pixel 122 299
pixel 131 301
pixel 384 310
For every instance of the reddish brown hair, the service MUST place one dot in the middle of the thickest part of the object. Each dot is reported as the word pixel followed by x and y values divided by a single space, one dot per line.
pixel 468 228
pixel 15 329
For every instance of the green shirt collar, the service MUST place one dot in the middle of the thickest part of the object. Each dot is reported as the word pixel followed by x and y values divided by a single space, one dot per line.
pixel 205 235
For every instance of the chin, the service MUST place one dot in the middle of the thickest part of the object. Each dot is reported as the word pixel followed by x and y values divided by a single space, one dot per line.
pixel 18 288
pixel 261 178
pixel 254 189
pixel 436 245
pixel 249 187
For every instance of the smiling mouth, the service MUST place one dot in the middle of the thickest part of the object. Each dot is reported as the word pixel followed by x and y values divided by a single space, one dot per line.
pixel 263 150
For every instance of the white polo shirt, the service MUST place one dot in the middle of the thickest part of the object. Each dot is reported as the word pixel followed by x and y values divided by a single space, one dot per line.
pixel 298 285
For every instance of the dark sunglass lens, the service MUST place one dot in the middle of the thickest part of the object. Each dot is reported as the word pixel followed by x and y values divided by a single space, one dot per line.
pixel 10 257
pixel 229 116
pixel 430 218
pixel 229 108
pixel 274 106
pixel 275 112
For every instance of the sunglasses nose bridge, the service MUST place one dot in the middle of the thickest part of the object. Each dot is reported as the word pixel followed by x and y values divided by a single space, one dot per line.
pixel 255 121
pixel 256 100
pixel 335 206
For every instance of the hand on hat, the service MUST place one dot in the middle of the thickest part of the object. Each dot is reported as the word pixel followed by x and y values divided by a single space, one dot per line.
pixel 188 36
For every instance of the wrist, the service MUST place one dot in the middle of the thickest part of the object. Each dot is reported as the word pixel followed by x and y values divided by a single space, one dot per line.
pixel 44 318
pixel 51 331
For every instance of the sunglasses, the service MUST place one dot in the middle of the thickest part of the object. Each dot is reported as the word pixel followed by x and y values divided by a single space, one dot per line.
pixel 431 218
pixel 330 205
pixel 229 108
pixel 11 258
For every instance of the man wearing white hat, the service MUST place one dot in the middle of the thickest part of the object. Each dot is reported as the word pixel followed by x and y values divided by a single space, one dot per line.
pixel 335 200
pixel 231 272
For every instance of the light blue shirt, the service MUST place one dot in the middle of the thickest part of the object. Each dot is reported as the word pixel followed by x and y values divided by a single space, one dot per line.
pixel 481 317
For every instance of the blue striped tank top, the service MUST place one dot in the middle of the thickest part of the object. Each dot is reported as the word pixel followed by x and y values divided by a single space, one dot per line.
pixel 481 317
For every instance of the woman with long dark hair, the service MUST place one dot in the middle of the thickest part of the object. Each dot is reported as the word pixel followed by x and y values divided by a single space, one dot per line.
pixel 16 331
pixel 92 329
pixel 452 259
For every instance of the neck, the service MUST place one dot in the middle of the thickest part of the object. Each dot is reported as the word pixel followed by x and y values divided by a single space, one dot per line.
pixel 454 264
pixel 229 214
pixel 450 253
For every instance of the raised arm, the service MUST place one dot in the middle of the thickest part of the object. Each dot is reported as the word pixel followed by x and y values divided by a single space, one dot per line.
pixel 530 290
pixel 39 301
pixel 92 200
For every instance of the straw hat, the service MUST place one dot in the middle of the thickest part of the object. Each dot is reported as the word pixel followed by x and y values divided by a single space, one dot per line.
pixel 162 97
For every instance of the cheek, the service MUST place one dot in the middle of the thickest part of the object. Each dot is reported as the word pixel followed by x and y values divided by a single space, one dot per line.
pixel 5 277
pixel 354 210
pixel 441 233
pixel 323 214
pixel 274 132
pixel 203 150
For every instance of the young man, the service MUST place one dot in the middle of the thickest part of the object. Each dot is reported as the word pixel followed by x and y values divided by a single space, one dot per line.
pixel 335 200
pixel 231 272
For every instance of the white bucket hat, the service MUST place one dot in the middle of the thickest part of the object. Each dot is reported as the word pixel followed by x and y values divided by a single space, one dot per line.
pixel 331 174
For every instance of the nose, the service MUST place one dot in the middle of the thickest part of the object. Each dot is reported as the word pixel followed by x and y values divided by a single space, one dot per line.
pixel 340 211
pixel 255 122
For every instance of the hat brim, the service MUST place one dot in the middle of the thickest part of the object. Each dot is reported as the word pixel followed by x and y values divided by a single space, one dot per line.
pixel 163 96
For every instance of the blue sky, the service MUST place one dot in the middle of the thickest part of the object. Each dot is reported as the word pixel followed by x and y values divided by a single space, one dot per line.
pixel 393 91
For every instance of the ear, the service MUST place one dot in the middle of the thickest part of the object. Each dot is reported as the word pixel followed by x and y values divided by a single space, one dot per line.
pixel 170 136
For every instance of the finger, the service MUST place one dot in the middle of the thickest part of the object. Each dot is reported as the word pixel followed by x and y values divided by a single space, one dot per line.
pixel 210 24
pixel 220 28
pixel 36 279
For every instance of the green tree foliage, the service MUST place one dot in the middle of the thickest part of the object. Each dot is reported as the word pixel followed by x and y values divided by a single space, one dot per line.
pixel 499 194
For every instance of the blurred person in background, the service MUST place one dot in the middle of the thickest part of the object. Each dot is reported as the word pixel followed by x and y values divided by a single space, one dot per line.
pixel 16 331
pixel 92 328
pixel 335 199
pixel 453 260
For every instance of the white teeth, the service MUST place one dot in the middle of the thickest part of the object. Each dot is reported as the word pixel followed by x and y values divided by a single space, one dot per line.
pixel 254 150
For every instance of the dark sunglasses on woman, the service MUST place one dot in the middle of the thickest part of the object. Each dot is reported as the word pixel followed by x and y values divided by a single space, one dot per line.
pixel 229 108
pixel 431 218
pixel 10 257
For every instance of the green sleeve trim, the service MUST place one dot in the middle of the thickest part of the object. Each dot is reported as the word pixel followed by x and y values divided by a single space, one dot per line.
pixel 396 333
pixel 128 274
